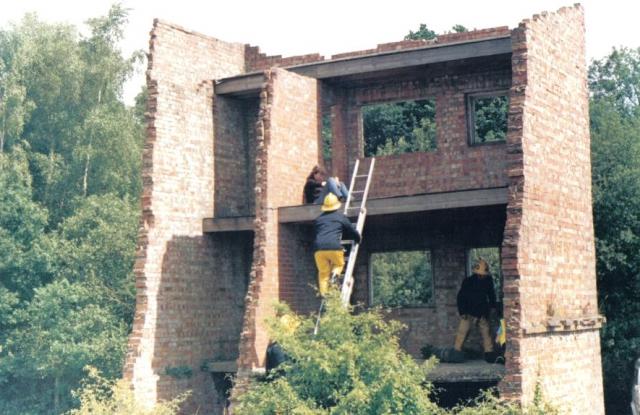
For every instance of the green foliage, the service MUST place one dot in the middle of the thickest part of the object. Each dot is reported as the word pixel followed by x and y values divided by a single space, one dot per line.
pixel 65 103
pixel 423 32
pixel 353 366
pixel 70 155
pixel 402 278
pixel 490 118
pixel 616 79
pixel 615 146
pixel 399 127
pixel 101 396
pixel 327 137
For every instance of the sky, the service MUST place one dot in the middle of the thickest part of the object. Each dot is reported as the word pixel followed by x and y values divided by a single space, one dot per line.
pixel 296 27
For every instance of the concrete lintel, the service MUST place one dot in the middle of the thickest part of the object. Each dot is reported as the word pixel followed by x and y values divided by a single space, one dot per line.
pixel 232 224
pixel 407 204
pixel 250 83
pixel 226 366
pixel 469 371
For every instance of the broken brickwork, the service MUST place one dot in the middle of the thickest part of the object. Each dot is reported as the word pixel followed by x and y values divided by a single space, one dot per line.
pixel 240 159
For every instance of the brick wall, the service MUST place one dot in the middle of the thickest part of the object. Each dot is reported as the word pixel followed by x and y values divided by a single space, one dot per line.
pixel 288 147
pixel 256 61
pixel 454 165
pixel 189 285
pixel 548 251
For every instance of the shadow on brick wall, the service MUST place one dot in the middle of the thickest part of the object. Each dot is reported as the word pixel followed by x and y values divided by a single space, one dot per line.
pixel 201 292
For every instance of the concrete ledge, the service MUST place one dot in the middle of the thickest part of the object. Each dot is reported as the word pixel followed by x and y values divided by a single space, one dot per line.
pixel 226 366
pixel 406 204
pixel 250 84
pixel 382 206
pixel 232 224
pixel 469 371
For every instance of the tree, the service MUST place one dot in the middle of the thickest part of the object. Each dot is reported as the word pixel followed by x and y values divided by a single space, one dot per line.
pixel 70 155
pixel 22 223
pixel 615 146
pixel 616 78
pixel 395 128
pixel 61 330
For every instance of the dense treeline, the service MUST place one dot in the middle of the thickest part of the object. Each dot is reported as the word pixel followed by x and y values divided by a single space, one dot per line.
pixel 70 155
pixel 614 82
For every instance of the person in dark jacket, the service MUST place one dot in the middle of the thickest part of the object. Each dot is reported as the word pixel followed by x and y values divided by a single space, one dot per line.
pixel 330 228
pixel 314 184
pixel 318 186
pixel 476 298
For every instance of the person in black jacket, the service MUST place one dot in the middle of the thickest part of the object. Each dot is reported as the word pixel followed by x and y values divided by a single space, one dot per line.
pixel 329 228
pixel 318 186
pixel 476 298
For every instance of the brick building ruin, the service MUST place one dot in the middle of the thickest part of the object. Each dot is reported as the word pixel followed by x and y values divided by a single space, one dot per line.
pixel 232 135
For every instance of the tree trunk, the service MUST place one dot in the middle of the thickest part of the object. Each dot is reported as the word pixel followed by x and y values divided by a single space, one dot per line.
pixel 56 394
pixel 85 177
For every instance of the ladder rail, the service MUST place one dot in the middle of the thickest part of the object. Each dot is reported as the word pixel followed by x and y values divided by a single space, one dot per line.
pixel 347 284
pixel 351 186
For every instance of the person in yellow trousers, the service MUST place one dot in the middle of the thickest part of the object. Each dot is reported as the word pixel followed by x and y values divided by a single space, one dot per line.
pixel 330 228
pixel 475 300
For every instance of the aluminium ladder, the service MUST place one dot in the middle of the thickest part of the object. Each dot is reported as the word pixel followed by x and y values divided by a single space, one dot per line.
pixel 356 200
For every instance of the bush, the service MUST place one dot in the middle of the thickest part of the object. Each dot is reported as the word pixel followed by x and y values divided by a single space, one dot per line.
pixel 99 396
pixel 353 366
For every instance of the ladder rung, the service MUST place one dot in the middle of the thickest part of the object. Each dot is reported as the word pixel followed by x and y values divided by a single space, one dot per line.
pixel 361 175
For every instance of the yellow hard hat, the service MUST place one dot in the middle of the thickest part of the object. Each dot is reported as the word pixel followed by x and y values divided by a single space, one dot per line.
pixel 331 203
pixel 481 267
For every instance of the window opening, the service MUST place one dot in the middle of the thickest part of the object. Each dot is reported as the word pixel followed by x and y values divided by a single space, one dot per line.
pixel 487 117
pixel 401 279
pixel 326 132
pixel 399 127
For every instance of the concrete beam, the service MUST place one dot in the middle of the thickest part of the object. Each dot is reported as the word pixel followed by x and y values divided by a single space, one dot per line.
pixel 250 83
pixel 233 224
pixel 383 206
pixel 407 204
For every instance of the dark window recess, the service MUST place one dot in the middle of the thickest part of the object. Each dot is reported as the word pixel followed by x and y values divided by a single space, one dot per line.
pixel 399 127
pixel 487 117
pixel 401 279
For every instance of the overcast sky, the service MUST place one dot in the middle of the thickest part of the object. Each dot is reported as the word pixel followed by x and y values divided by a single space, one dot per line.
pixel 295 27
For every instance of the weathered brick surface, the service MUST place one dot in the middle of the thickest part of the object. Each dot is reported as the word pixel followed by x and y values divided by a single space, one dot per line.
pixel 190 286
pixel 287 142
pixel 548 250
pixel 234 149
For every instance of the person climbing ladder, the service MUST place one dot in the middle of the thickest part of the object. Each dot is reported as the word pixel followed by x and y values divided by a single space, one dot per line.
pixel 330 228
